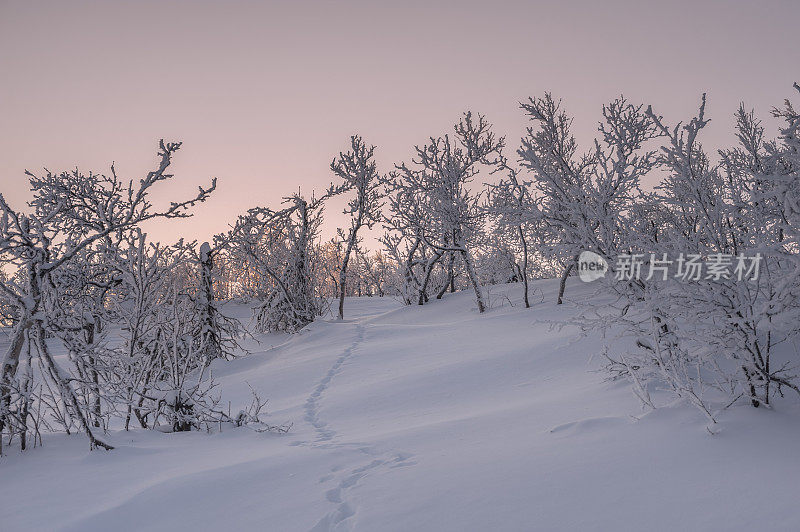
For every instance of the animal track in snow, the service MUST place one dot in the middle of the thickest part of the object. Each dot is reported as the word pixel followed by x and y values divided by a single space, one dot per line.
pixel 325 434
pixel 340 519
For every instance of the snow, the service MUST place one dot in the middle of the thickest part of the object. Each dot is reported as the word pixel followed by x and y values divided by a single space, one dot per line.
pixel 425 418
pixel 205 251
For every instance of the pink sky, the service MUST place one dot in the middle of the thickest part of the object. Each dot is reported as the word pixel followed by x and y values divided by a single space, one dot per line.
pixel 263 95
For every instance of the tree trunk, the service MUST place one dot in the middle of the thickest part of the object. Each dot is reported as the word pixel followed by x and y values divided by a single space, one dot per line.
pixel 408 274
pixel 449 282
pixel 91 330
pixel 452 275
pixel 26 387
pixel 211 338
pixel 524 266
pixel 343 272
pixel 9 370
pixel 473 279
pixel 753 397
pixel 562 287
pixel 306 314
pixel 423 292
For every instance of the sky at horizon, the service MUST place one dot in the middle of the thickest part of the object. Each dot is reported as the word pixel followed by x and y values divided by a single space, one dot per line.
pixel 265 94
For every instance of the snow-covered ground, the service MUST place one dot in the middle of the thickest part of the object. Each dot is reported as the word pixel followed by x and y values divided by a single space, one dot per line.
pixel 427 418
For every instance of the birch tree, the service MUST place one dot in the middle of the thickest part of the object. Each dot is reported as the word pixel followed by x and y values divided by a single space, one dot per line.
pixel 511 203
pixel 359 174
pixel 432 202
pixel 583 198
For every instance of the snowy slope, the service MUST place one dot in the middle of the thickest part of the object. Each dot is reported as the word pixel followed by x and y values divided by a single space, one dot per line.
pixel 425 418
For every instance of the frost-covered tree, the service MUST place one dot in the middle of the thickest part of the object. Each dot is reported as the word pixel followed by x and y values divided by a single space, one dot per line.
pixel 511 205
pixel 583 199
pixel 151 309
pixel 219 332
pixel 375 271
pixel 403 248
pixel 70 212
pixel 359 174
pixel 160 374
pixel 279 247
pixel 783 157
pixel 496 261
pixel 433 204
pixel 78 313
pixel 727 212
pixel 714 327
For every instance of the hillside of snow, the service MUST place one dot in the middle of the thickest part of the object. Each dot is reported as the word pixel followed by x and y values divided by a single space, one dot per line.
pixel 429 418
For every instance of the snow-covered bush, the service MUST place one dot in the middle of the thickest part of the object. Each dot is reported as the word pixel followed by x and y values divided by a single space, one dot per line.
pixel 170 331
pixel 713 338
pixel 71 213
pixel 138 320
pixel 278 248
